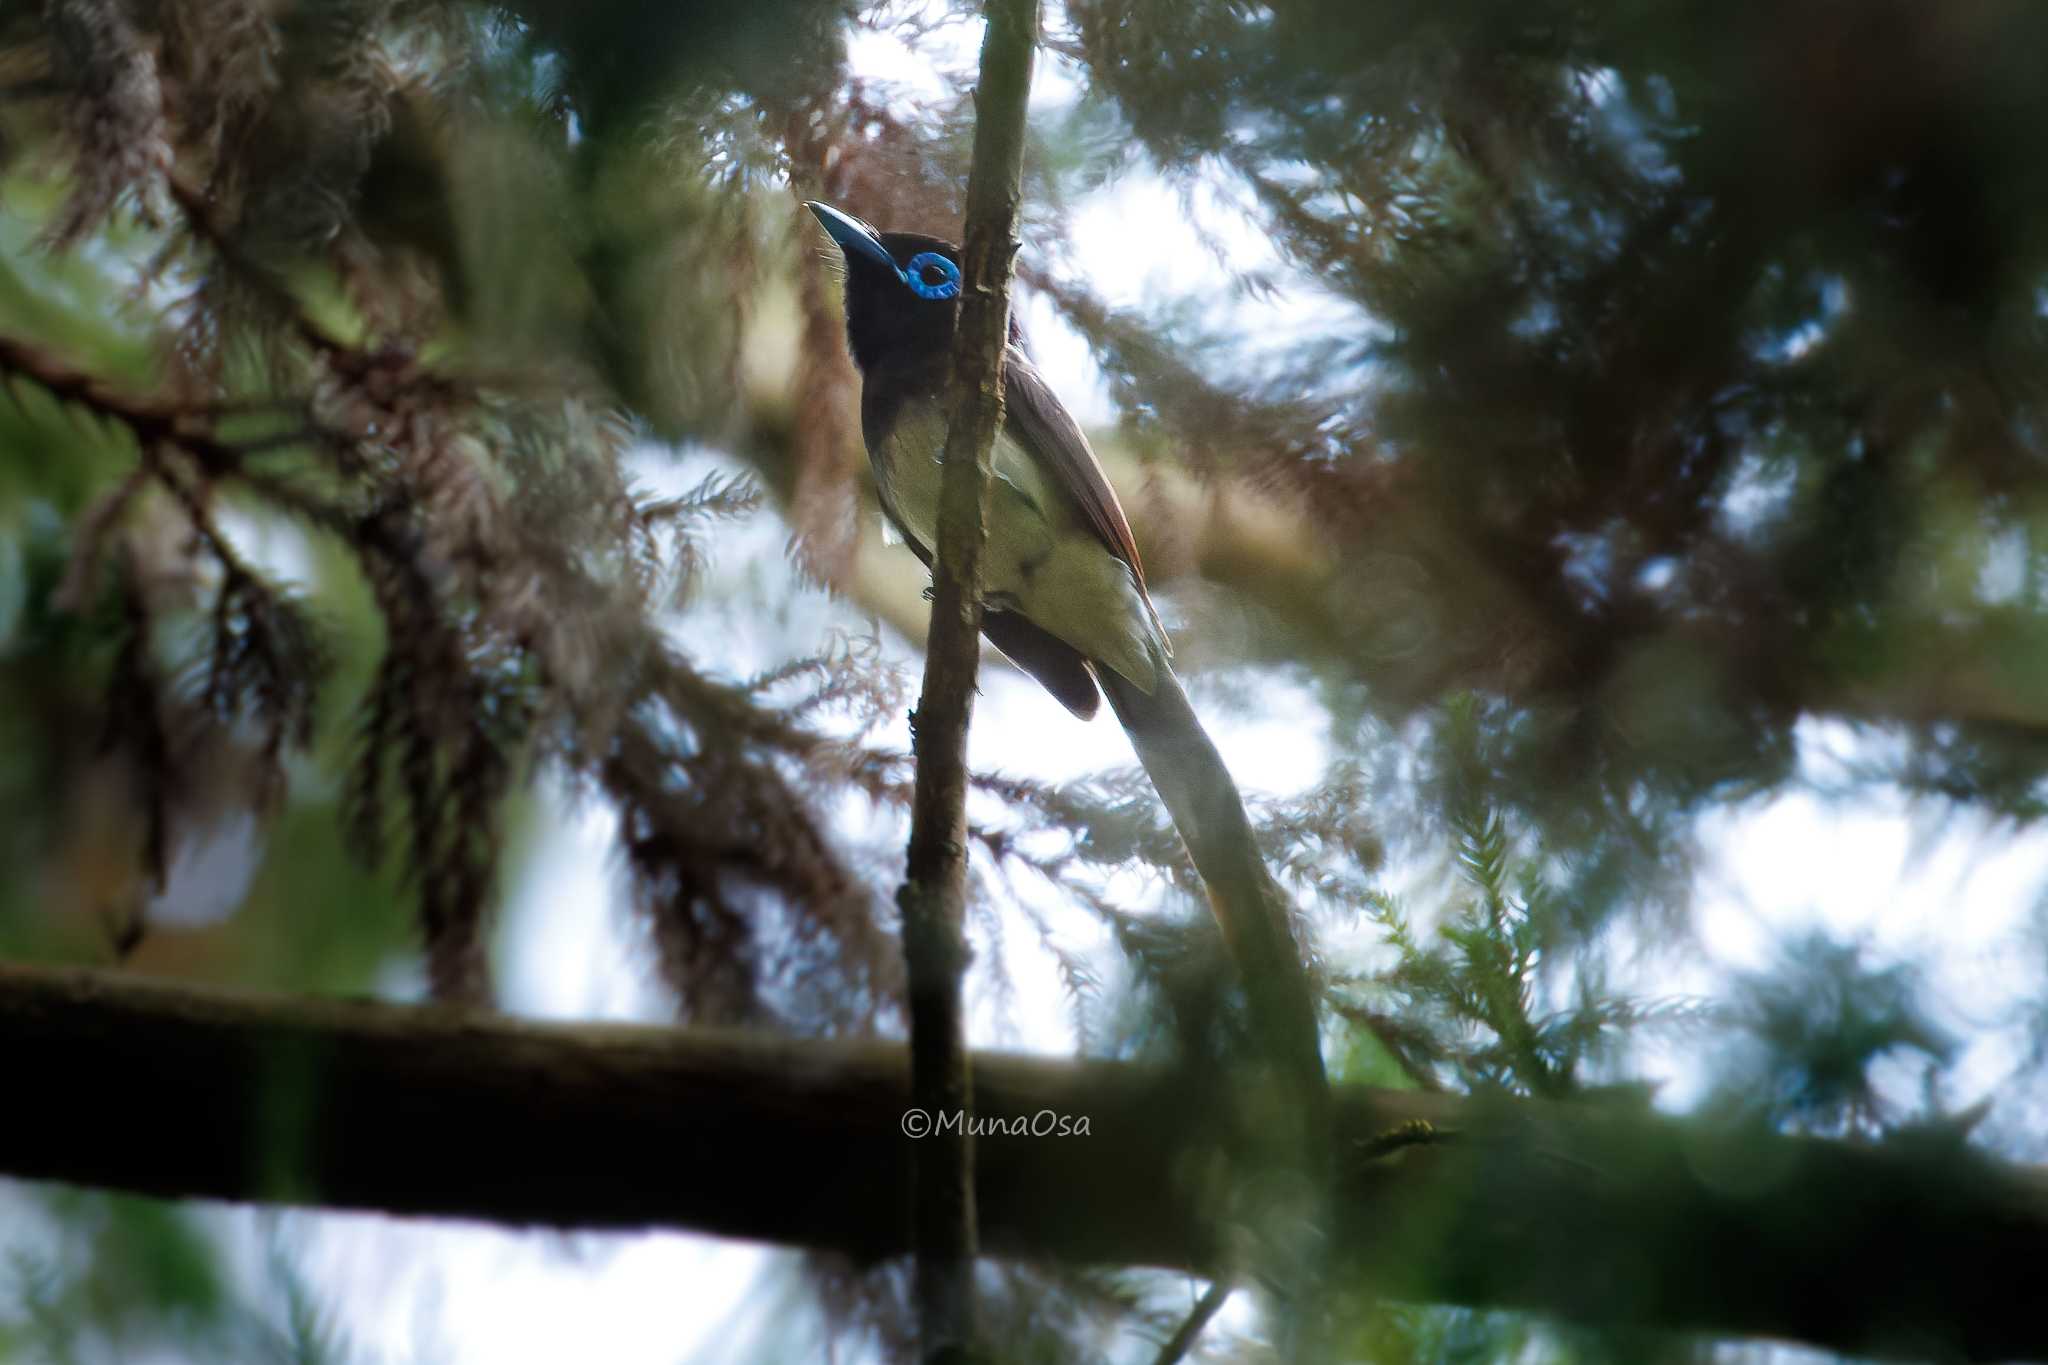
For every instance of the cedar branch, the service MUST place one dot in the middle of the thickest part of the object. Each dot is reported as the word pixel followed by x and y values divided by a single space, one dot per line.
pixel 1919 1246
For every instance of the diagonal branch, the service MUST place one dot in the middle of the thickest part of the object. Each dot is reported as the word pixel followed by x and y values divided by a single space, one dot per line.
pixel 1176 1347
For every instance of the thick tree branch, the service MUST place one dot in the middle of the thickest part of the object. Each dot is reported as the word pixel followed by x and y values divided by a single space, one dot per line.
pixel 1918 1247
pixel 934 896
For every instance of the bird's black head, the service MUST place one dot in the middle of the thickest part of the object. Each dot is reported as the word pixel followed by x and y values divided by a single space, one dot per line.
pixel 902 291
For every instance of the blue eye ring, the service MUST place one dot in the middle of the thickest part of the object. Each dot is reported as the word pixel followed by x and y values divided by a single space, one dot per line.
pixel 946 281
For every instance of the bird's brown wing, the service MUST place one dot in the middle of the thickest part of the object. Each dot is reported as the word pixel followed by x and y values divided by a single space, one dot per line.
pixel 1039 422
pixel 1058 666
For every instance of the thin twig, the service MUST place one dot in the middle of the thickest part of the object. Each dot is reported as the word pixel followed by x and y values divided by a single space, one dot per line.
pixel 934 894
pixel 1177 1346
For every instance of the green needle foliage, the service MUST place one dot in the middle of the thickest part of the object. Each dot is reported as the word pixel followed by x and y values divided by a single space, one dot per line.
pixel 1612 417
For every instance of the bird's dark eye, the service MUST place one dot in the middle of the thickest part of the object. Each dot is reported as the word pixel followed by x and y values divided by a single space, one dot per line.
pixel 932 276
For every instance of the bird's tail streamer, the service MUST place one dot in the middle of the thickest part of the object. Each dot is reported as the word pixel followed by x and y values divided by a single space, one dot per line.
pixel 1203 800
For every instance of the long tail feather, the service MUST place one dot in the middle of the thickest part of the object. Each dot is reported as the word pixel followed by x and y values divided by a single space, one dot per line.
pixel 1206 808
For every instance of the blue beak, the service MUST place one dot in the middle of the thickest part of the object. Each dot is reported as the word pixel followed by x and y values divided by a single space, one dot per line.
pixel 854 237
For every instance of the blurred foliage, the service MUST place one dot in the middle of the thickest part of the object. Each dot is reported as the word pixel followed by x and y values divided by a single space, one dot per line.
pixel 1616 394
pixel 121 1278
pixel 1689 367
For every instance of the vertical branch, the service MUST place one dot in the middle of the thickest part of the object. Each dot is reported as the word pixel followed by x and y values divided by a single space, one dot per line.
pixel 934 893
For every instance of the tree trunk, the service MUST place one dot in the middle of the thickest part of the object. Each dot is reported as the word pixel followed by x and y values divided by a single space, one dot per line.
pixel 1919 1247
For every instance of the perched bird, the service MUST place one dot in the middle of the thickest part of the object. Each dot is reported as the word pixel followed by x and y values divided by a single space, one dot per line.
pixel 1063 590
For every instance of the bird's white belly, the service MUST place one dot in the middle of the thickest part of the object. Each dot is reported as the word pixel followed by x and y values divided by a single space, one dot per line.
pixel 1040 560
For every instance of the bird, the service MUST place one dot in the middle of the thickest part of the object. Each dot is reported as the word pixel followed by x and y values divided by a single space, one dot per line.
pixel 1062 585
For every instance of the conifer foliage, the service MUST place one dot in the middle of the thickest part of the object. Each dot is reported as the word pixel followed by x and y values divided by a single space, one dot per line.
pixel 1616 407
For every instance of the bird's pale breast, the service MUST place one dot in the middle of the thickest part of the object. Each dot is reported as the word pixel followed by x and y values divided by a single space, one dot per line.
pixel 1041 560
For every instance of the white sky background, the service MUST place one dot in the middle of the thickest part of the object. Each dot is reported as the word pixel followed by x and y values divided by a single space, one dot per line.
pixel 469 1295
